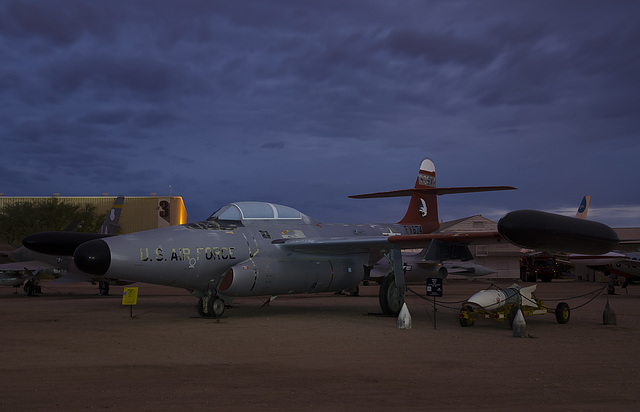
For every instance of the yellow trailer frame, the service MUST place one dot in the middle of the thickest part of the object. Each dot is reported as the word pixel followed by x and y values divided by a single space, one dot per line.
pixel 470 313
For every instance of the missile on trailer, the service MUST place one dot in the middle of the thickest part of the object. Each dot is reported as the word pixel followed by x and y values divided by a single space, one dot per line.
pixel 492 299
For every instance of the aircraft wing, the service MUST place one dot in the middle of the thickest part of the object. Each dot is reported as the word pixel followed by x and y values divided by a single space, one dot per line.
pixel 31 265
pixel 629 268
pixel 631 262
pixel 416 241
pixel 338 245
pixel 467 269
pixel 460 270
pixel 72 277
pixel 529 229
pixel 432 190
pixel 366 244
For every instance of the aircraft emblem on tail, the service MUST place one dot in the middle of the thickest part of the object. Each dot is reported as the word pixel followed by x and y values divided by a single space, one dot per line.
pixel 583 209
pixel 111 222
pixel 423 208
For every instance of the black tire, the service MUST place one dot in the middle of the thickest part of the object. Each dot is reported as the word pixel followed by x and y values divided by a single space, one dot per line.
pixel 103 288
pixel 29 289
pixel 215 307
pixel 563 313
pixel 466 322
pixel 390 296
pixel 201 310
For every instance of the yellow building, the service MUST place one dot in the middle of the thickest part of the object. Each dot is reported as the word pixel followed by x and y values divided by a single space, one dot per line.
pixel 138 212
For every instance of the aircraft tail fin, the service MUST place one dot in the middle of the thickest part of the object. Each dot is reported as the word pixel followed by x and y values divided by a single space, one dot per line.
pixel 526 294
pixel 423 206
pixel 583 208
pixel 111 222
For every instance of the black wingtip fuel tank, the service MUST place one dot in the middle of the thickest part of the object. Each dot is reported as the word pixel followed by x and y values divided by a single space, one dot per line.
pixel 537 230
pixel 58 243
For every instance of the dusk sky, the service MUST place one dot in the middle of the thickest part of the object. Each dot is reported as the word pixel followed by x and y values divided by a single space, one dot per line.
pixel 303 103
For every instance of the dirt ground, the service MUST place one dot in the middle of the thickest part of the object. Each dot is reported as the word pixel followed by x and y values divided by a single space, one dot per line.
pixel 70 349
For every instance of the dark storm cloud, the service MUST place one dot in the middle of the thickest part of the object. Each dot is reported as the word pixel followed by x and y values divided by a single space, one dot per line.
pixel 55 23
pixel 307 102
pixel 441 48
pixel 9 79
pixel 142 77
pixel 106 117
pixel 153 118
pixel 273 145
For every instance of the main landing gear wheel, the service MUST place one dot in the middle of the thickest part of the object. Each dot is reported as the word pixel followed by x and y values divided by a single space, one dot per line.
pixel 210 307
pixel 563 313
pixel 201 310
pixel 29 289
pixel 391 297
pixel 216 307
pixel 103 288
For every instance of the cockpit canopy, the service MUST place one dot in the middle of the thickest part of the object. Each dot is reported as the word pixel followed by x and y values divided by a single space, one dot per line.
pixel 257 211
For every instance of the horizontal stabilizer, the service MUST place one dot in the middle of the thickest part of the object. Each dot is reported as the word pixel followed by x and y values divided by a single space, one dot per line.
pixel 440 251
pixel 432 191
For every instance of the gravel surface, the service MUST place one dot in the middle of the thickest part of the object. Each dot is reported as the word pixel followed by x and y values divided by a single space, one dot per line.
pixel 70 349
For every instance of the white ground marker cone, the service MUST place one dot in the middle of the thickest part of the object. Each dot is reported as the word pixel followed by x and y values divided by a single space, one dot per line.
pixel 404 318
pixel 519 325
pixel 609 316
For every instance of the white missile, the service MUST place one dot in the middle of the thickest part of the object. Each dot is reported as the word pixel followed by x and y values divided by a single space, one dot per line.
pixel 492 299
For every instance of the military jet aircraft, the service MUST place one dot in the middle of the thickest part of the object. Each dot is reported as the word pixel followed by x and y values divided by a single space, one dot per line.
pixel 612 264
pixel 28 267
pixel 265 249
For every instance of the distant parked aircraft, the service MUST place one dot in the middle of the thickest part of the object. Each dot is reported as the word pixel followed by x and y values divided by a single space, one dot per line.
pixel 28 267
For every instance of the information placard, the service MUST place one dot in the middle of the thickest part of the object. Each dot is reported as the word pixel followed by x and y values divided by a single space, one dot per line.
pixel 434 287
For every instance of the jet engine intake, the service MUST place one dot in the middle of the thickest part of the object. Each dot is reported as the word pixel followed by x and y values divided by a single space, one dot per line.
pixel 238 280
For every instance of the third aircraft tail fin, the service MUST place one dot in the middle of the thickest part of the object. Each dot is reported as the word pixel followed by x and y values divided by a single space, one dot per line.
pixel 111 222
pixel 583 208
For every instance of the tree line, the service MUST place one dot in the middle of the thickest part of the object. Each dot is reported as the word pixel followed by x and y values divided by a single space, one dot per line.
pixel 23 218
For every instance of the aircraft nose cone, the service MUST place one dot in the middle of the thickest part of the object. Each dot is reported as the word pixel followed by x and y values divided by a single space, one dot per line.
pixel 93 257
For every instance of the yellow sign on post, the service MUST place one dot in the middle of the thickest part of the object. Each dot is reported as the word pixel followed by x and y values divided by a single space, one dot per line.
pixel 130 296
